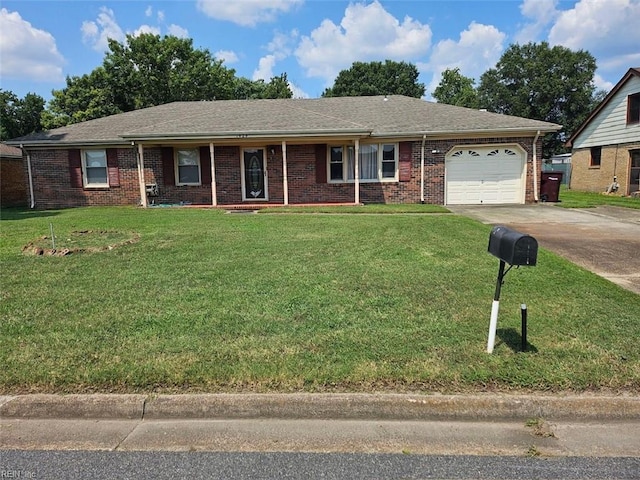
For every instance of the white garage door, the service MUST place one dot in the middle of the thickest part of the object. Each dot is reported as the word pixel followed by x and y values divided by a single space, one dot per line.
pixel 484 175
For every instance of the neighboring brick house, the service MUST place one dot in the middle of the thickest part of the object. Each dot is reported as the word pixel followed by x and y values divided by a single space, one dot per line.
pixel 606 147
pixel 289 151
pixel 13 186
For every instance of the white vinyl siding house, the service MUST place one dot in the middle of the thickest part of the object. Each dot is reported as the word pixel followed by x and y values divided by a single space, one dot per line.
pixel 605 149
pixel 610 126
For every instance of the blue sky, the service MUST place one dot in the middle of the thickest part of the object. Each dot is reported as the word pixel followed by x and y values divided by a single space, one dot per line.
pixel 43 41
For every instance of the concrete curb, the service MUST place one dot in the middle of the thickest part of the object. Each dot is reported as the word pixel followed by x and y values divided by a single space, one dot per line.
pixel 321 406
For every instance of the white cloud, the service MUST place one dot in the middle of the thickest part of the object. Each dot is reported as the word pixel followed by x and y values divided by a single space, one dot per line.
pixel 99 32
pixel 247 13
pixel 297 91
pixel 366 33
pixel 96 33
pixel 623 61
pixel 228 56
pixel 178 31
pixel 265 68
pixel 282 44
pixel 600 27
pixel 89 30
pixel 27 52
pixel 478 49
pixel 601 83
pixel 542 12
pixel 146 29
pixel 607 29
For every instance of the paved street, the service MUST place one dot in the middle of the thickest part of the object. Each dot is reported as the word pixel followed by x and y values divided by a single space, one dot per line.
pixel 195 465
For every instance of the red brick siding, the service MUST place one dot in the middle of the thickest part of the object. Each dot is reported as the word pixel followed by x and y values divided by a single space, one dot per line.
pixel 13 183
pixel 52 182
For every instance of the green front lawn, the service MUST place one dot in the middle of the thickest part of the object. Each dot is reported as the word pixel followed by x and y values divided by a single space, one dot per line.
pixel 575 199
pixel 205 301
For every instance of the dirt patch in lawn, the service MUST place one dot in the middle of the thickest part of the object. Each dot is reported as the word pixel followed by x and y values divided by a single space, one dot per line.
pixel 79 241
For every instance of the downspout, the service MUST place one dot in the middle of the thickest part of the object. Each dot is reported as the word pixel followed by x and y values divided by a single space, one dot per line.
pixel 30 175
pixel 535 167
pixel 143 188
pixel 356 161
pixel 424 138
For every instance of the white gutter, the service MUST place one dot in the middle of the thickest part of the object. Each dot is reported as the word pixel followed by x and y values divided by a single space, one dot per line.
pixel 143 188
pixel 214 193
pixel 285 181
pixel 424 138
pixel 535 167
pixel 30 175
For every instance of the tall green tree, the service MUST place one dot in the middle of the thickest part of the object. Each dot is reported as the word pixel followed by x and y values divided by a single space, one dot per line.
pixel 141 72
pixel 278 87
pixel 377 78
pixel 19 116
pixel 150 70
pixel 456 89
pixel 553 84
pixel 85 97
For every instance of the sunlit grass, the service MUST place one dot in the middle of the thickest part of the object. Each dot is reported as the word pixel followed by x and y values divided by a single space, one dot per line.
pixel 207 301
pixel 576 199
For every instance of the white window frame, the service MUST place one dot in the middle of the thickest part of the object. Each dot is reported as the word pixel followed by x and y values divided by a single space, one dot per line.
pixel 85 177
pixel 345 163
pixel 177 167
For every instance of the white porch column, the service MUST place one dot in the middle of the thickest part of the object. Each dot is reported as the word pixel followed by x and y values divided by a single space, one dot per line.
pixel 356 162
pixel 214 193
pixel 285 180
pixel 143 187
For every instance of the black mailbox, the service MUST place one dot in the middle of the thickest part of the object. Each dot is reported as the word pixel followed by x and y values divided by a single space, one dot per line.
pixel 513 247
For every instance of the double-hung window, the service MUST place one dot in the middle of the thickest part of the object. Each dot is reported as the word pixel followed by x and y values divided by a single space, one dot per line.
pixel 389 160
pixel 336 163
pixel 376 163
pixel 94 168
pixel 188 167
pixel 633 108
pixel 596 155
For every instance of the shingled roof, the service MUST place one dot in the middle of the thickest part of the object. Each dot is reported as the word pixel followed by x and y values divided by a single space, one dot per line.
pixel 376 116
pixel 9 152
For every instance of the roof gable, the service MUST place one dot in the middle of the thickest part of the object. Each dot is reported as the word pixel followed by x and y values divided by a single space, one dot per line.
pixel 631 73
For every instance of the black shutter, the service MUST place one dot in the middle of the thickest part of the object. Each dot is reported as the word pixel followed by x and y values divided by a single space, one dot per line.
pixel 205 165
pixel 75 168
pixel 321 163
pixel 168 166
pixel 112 167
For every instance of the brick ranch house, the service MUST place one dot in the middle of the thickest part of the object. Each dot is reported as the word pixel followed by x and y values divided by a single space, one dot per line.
pixel 287 152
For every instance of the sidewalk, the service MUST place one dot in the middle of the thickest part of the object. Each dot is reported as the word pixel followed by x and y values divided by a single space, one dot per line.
pixel 435 424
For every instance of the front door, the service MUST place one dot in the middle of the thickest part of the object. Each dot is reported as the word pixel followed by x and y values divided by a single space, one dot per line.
pixel 254 175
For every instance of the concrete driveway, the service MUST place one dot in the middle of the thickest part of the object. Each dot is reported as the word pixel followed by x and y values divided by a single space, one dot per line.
pixel 604 240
